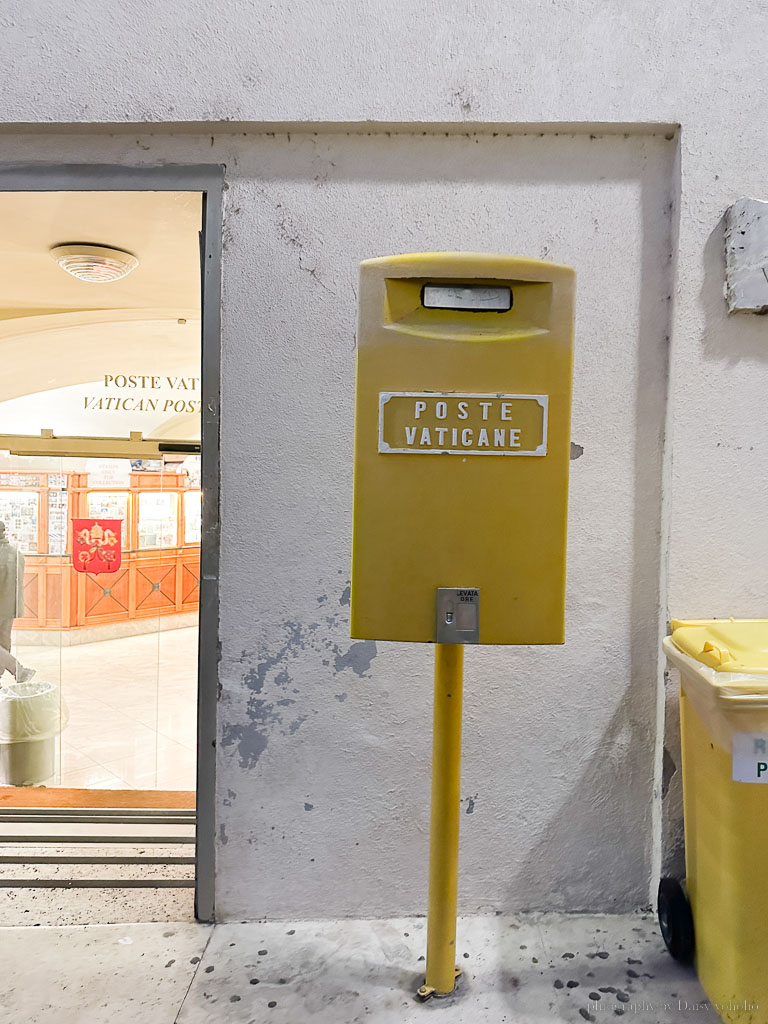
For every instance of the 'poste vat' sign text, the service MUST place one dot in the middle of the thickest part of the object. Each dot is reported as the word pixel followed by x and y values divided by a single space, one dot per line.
pixel 458 424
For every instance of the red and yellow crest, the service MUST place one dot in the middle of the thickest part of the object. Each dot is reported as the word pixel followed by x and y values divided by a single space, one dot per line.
pixel 96 545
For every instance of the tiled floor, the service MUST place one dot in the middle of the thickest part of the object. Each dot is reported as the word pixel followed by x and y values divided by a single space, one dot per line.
pixel 129 708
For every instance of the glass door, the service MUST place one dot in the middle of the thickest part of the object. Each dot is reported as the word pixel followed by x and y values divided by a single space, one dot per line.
pixel 166 523
pixel 100 534
pixel 110 665
pixel 99 654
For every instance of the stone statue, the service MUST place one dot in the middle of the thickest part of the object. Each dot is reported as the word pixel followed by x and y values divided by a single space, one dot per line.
pixel 11 603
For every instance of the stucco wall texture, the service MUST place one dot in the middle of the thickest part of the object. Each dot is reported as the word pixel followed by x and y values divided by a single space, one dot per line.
pixel 324 743
pixel 334 739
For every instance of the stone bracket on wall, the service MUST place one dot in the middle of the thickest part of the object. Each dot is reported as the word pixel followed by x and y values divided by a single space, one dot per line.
pixel 746 256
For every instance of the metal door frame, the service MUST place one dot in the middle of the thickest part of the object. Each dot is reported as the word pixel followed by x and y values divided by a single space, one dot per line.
pixel 207 179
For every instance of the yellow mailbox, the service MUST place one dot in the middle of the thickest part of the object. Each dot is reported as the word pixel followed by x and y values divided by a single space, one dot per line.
pixel 462 447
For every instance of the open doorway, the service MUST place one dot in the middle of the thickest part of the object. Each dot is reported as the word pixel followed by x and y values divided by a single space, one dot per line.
pixel 103 693
pixel 106 508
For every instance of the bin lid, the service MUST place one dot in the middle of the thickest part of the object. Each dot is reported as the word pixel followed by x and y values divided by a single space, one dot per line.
pixel 725 645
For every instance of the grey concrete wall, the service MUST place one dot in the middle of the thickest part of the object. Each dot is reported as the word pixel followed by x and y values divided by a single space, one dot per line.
pixel 324 744
pixel 681 532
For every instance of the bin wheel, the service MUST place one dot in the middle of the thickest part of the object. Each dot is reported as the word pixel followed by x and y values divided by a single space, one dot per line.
pixel 676 920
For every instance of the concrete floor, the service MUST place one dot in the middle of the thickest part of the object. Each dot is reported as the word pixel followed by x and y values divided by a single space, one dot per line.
pixel 517 970
pixel 130 710
pixel 49 909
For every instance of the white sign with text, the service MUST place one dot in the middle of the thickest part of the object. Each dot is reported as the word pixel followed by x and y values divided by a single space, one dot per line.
pixel 750 757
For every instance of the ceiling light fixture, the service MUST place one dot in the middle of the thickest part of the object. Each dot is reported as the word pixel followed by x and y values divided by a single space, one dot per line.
pixel 98 264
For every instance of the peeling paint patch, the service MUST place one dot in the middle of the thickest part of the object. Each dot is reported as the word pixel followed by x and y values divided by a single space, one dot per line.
pixel 470 801
pixel 577 450
pixel 255 677
pixel 223 837
pixel 251 742
pixel 341 697
pixel 308 807
pixel 268 677
pixel 358 658
pixel 345 595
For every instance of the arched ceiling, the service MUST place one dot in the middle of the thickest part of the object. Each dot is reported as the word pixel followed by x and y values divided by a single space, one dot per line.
pixel 57 331
pixel 159 228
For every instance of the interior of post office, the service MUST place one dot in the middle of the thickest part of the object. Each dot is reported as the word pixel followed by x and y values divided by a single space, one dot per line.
pixel 100 490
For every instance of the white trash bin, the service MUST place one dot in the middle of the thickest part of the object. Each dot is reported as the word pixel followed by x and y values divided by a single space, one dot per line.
pixel 30 720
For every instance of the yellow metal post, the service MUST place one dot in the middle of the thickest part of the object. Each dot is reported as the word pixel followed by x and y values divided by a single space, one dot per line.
pixel 444 830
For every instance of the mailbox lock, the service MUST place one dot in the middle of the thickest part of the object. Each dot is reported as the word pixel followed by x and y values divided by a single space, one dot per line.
pixel 458 615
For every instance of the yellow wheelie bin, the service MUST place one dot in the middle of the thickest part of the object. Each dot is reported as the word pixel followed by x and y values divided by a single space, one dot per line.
pixel 719 918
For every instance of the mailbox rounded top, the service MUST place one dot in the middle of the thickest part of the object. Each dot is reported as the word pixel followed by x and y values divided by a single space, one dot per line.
pixel 469 264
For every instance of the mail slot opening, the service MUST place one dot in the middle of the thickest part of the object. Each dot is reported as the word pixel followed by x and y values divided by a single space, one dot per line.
pixel 468 298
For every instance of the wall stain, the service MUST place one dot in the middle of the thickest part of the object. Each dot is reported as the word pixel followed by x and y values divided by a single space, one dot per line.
pixel 668 769
pixel 464 99
pixel 291 235
pixel 269 679
pixel 250 739
pixel 358 658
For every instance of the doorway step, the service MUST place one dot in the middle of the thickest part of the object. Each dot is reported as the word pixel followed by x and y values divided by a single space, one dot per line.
pixel 120 848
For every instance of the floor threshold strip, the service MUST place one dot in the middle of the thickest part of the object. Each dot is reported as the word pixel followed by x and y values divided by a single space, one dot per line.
pixel 97 883
pixel 12 813
pixel 68 859
pixel 93 819
pixel 107 840
pixel 67 829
